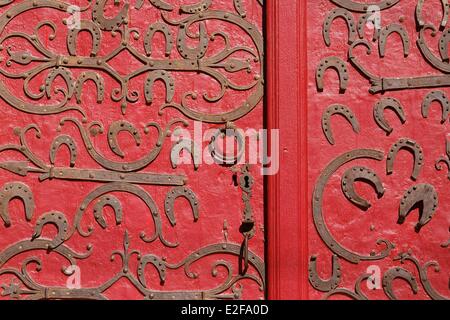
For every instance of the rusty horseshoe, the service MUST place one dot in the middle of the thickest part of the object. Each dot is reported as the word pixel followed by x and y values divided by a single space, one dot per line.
pixel 387 31
pixel 320 284
pixel 440 97
pixel 13 190
pixel 174 194
pixel 360 174
pixel 423 196
pixel 335 63
pixel 343 111
pixel 413 147
pixel 348 18
pixel 378 113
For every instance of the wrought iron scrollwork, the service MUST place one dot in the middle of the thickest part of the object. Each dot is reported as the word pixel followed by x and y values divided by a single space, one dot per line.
pixel 195 60
pixel 61 76
pixel 33 290
pixel 423 197
pixel 444 159
pixel 356 294
pixel 362 7
pixel 408 256
pixel 318 214
pixel 398 273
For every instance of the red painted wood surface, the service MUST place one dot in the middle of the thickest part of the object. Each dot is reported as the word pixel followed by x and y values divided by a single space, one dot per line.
pixel 220 199
pixel 299 104
pixel 356 229
pixel 287 200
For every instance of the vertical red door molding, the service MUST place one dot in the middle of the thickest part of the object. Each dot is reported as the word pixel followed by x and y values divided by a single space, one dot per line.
pixel 287 196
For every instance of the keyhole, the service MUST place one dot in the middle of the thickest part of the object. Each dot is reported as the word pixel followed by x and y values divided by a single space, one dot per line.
pixel 247 182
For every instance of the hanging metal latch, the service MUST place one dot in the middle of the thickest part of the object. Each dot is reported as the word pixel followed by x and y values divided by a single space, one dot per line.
pixel 243 256
pixel 247 227
pixel 247 230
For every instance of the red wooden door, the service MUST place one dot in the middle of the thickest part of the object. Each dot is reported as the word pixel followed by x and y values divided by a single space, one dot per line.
pixel 103 195
pixel 366 162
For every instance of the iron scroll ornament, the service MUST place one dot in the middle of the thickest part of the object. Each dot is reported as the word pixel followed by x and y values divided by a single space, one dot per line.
pixel 194 60
pixel 423 195
pixel 98 199
pixel 318 215
pixel 388 279
pixel 363 7
pixel 126 176
pixel 379 83
pixel 30 289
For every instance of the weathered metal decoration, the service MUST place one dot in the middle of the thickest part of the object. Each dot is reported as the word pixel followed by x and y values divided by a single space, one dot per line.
pixel 357 294
pixel 408 256
pixel 390 276
pixel 163 76
pixel 363 21
pixel 160 4
pixel 383 84
pixel 445 7
pixel 115 129
pixel 63 76
pixel 387 31
pixel 131 189
pixel 421 193
pixel 354 60
pixel 114 203
pixel 117 171
pixel 185 145
pixel 247 228
pixel 96 78
pixel 335 63
pixel 59 220
pixel 381 106
pixel 69 143
pixel 443 45
pixel 239 6
pixel 348 18
pixel 426 51
pixel 36 291
pixel 236 65
pixel 96 128
pixel 319 220
pixel 398 273
pixel 221 157
pixel 164 30
pixel 440 97
pixel 194 60
pixel 423 196
pixel 444 159
pixel 176 193
pixel 324 285
pixel 360 174
pixel 362 7
pixel 93 29
pixel 345 112
pixel 411 146
pixel 12 191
